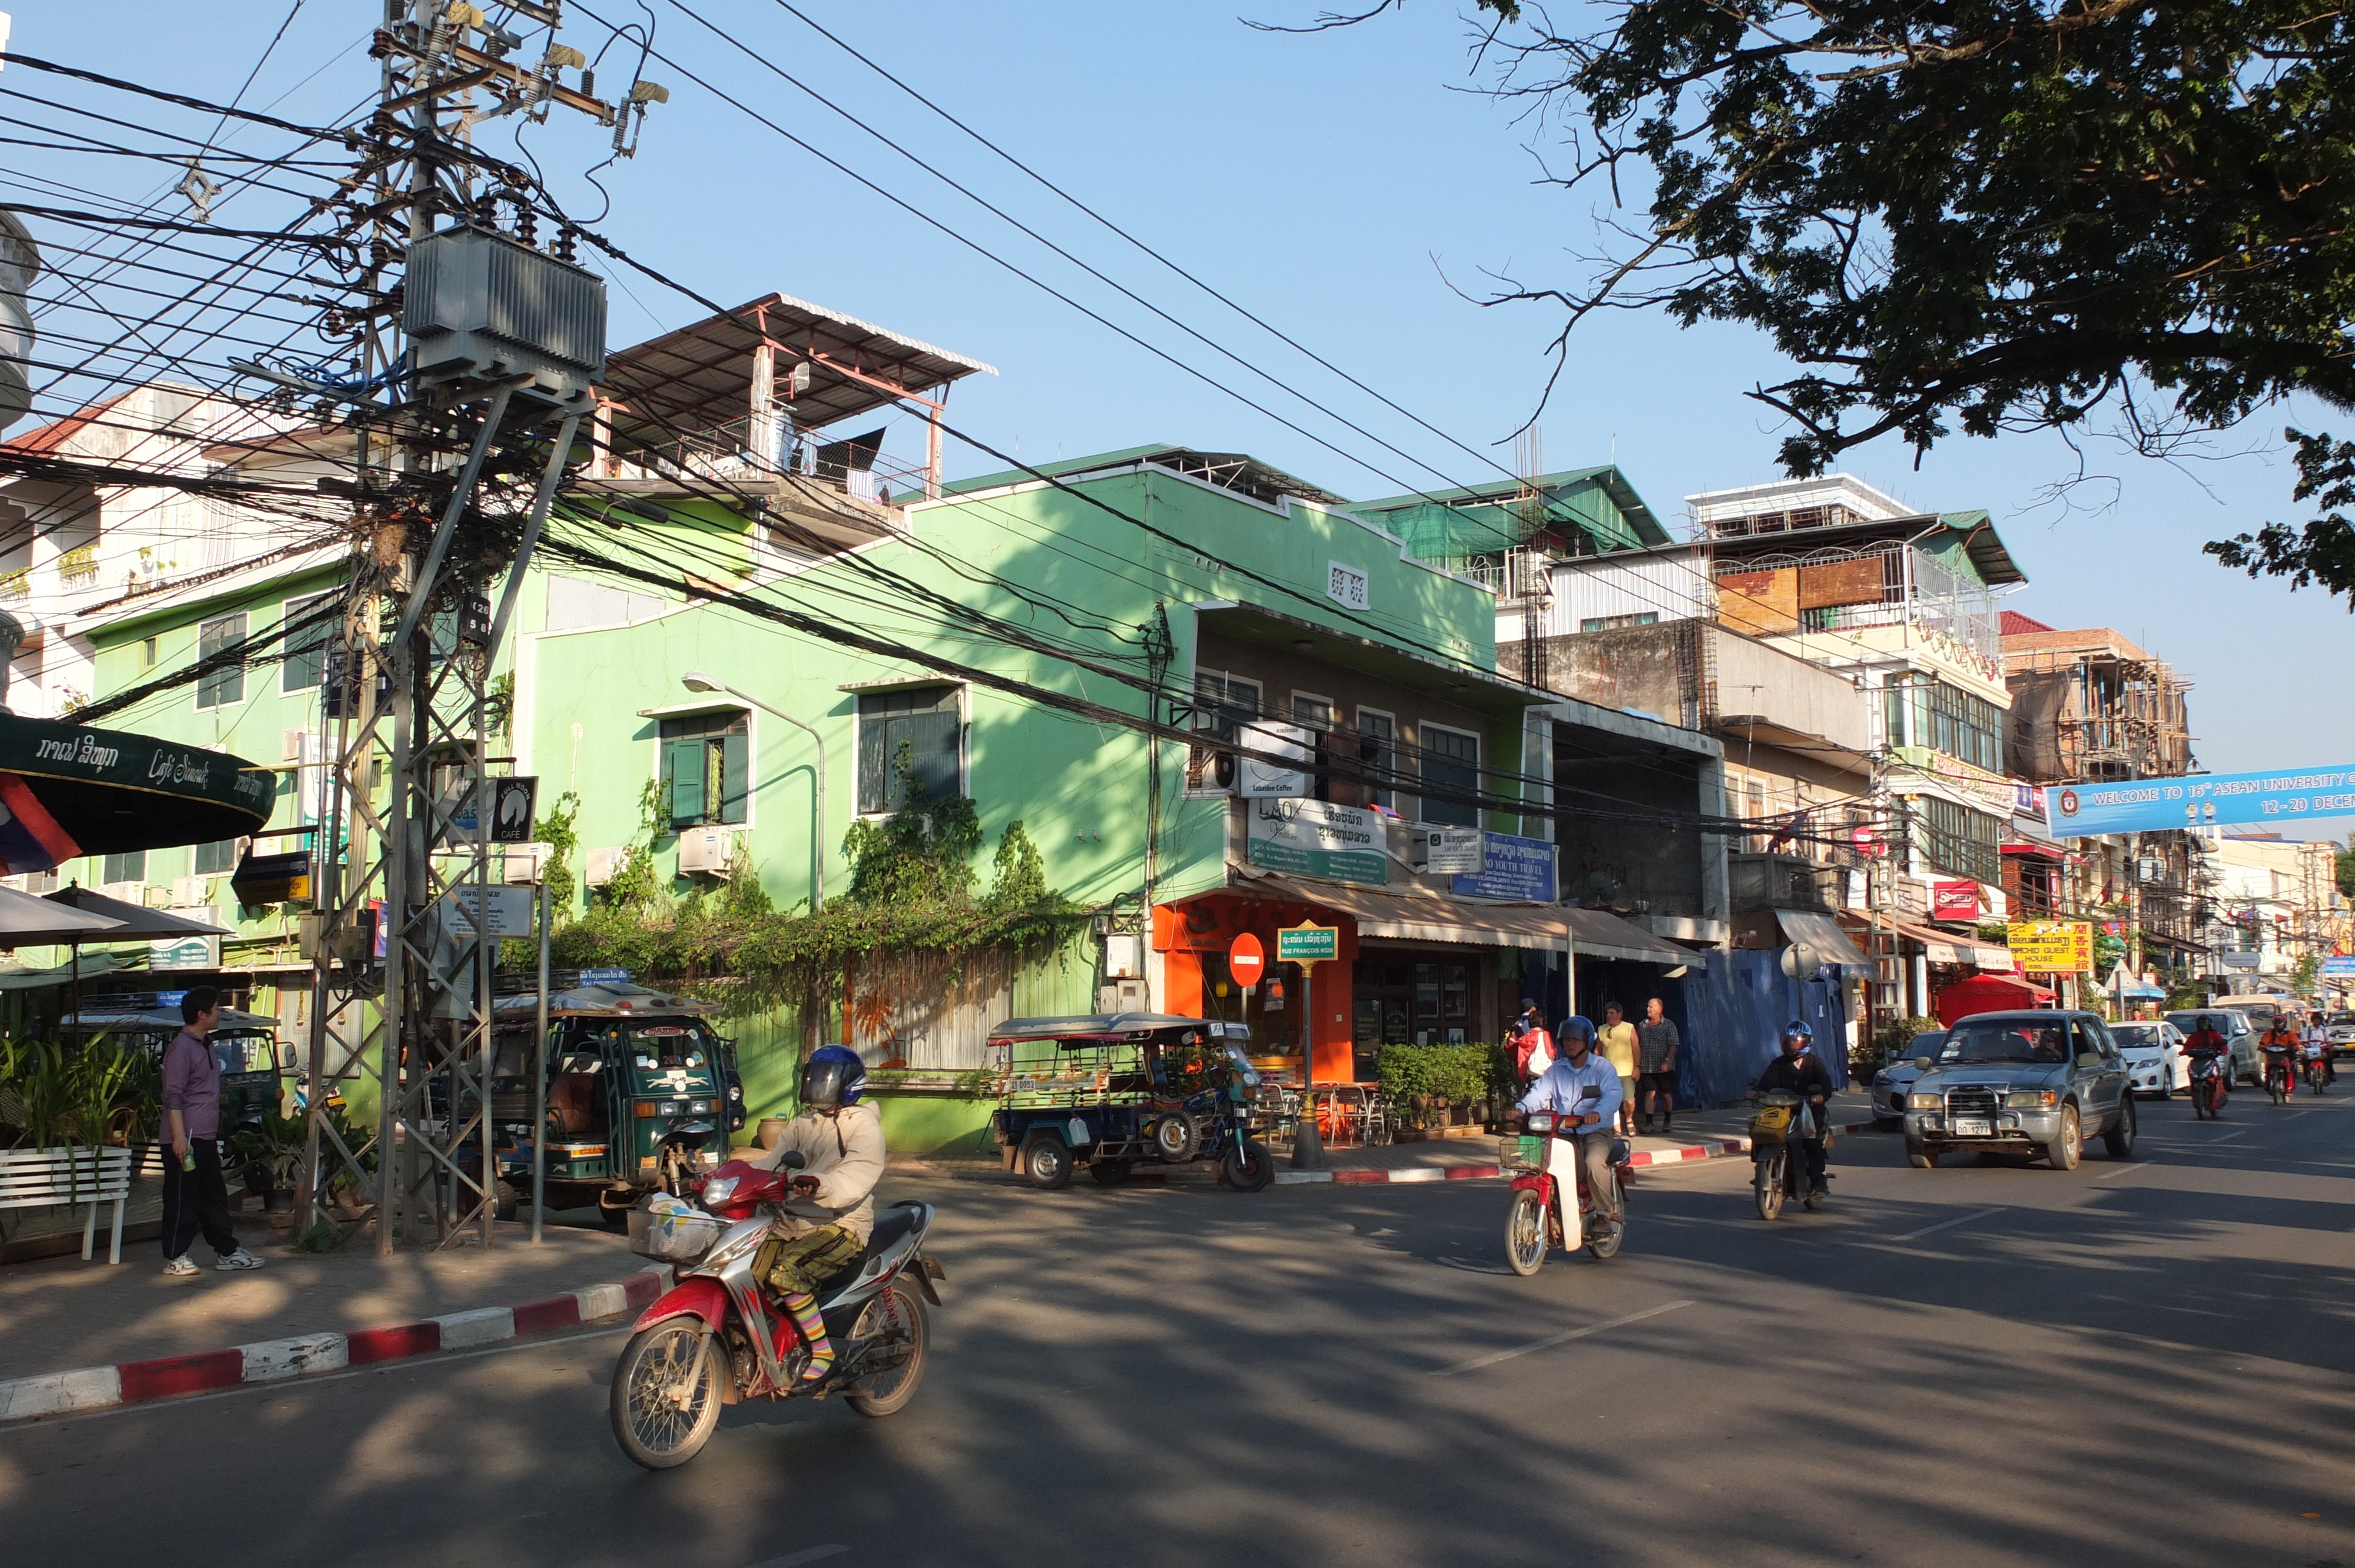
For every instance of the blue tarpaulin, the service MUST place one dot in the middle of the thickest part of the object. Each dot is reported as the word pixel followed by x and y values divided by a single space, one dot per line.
pixel 1736 1014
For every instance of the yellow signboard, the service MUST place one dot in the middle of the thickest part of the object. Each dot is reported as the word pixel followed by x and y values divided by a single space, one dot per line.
pixel 2053 947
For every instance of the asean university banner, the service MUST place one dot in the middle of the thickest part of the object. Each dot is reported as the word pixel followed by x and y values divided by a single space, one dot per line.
pixel 2198 800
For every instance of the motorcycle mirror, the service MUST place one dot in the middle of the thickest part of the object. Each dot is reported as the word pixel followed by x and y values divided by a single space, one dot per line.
pixel 1592 1092
pixel 791 1159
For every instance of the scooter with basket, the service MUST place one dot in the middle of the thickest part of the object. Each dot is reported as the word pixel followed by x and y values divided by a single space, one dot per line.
pixel 716 1337
pixel 1778 1169
pixel 1546 1170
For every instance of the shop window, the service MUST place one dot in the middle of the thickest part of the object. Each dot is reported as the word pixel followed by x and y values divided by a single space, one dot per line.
pixel 215 859
pixel 922 725
pixel 305 667
pixel 221 688
pixel 706 767
pixel 1451 760
pixel 1220 701
pixel 129 866
pixel 1379 750
pixel 1958 840
pixel 1922 710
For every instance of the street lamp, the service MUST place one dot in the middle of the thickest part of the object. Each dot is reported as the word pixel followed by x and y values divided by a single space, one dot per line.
pixel 696 680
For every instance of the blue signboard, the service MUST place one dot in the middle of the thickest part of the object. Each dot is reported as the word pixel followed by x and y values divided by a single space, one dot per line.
pixel 1521 869
pixel 2340 967
pixel 2198 800
pixel 604 977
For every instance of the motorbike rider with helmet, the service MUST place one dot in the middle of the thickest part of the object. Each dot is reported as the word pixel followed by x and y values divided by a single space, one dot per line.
pixel 2208 1041
pixel 2279 1047
pixel 1561 1089
pixel 1798 1071
pixel 824 1226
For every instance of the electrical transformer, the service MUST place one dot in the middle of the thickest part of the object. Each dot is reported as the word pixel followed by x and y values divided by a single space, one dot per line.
pixel 478 306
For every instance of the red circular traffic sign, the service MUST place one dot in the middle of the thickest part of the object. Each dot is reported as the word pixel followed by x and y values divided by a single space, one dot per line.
pixel 1246 960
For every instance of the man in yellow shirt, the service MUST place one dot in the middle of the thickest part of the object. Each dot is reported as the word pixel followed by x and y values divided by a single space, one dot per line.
pixel 1616 1041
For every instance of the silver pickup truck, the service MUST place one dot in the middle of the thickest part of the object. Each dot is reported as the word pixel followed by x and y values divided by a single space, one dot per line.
pixel 2024 1083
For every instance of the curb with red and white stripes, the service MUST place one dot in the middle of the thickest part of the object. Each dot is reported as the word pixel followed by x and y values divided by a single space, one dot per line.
pixel 275 1361
pixel 1714 1149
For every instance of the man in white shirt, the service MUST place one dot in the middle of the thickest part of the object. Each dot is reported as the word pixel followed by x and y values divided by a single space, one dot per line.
pixel 1562 1090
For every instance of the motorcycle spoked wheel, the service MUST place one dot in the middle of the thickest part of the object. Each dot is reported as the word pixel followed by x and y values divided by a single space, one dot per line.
pixel 2277 1083
pixel 1766 1182
pixel 894 1316
pixel 667 1393
pixel 1525 1234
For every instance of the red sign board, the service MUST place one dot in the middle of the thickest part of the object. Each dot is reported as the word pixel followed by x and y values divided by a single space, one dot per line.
pixel 1246 960
pixel 1954 901
pixel 1868 842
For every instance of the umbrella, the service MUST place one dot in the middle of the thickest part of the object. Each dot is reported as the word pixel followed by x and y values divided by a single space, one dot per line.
pixel 66 789
pixel 130 923
pixel 30 922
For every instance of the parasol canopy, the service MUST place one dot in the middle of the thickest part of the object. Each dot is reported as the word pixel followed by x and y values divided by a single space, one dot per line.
pixel 30 922
pixel 67 791
pixel 125 922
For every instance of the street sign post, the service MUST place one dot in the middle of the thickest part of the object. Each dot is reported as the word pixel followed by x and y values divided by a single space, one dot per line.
pixel 1307 946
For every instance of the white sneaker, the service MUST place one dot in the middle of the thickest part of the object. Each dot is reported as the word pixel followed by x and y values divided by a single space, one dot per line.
pixel 178 1266
pixel 240 1259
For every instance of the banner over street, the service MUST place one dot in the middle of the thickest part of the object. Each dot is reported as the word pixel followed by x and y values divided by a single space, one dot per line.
pixel 2200 801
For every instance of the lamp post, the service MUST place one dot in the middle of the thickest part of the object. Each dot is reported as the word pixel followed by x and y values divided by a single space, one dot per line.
pixel 696 680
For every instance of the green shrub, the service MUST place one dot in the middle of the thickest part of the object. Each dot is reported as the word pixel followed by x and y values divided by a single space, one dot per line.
pixel 1463 1074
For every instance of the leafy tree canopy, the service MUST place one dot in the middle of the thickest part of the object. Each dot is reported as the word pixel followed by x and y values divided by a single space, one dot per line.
pixel 1995 215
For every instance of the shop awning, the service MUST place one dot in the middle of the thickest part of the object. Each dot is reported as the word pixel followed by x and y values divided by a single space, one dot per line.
pixel 1986 993
pixel 1821 942
pixel 1946 948
pixel 1430 917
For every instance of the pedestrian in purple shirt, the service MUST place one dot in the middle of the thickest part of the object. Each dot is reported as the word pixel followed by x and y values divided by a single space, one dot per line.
pixel 195 1195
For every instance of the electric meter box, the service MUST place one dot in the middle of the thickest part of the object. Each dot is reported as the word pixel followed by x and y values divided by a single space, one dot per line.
pixel 479 306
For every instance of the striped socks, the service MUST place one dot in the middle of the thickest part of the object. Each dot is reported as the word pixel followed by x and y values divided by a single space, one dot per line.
pixel 803 1309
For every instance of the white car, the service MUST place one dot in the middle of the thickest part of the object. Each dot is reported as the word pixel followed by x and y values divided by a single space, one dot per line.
pixel 2156 1063
pixel 1891 1084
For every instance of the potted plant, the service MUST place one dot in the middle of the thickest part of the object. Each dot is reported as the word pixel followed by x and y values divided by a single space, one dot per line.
pixel 271 1153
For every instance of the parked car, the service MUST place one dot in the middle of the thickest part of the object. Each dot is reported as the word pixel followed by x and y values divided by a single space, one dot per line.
pixel 2025 1083
pixel 2155 1058
pixel 2238 1033
pixel 1889 1083
pixel 2339 1028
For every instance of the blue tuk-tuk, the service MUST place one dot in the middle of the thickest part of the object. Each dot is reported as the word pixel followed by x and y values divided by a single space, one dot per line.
pixel 1111 1092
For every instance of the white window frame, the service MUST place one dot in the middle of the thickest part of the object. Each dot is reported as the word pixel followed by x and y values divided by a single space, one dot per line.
pixel 293 609
pixel 1386 794
pixel 1332 709
pixel 1479 762
pixel 244 630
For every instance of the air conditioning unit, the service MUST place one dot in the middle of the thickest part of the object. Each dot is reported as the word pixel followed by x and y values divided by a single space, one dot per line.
pixel 292 744
pixel 192 891
pixel 126 892
pixel 601 866
pixel 522 864
pixel 706 851
pixel 1209 772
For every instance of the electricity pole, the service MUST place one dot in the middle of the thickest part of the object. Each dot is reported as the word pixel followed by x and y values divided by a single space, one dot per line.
pixel 473 354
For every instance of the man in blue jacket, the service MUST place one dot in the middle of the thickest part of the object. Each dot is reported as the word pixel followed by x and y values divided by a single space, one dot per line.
pixel 1562 1090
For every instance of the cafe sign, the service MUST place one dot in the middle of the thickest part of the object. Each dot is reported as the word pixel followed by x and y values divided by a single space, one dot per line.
pixel 1317 838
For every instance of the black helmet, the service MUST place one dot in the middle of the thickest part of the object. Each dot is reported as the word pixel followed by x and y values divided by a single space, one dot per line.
pixel 832 1078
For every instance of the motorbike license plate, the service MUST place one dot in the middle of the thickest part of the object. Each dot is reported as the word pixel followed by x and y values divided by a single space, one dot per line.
pixel 1974 1127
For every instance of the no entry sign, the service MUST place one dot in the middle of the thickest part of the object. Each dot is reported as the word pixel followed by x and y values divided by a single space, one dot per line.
pixel 1246 960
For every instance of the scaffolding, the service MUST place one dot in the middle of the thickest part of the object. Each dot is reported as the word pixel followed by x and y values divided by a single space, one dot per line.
pixel 2092 705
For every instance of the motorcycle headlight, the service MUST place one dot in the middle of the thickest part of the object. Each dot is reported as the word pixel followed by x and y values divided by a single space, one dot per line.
pixel 1926 1102
pixel 719 1190
pixel 1539 1121
pixel 2030 1099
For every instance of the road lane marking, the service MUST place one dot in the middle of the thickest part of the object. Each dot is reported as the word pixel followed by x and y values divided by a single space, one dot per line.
pixel 2125 1172
pixel 1477 1363
pixel 2230 1136
pixel 1947 1224
pixel 2295 1115
pixel 807 1554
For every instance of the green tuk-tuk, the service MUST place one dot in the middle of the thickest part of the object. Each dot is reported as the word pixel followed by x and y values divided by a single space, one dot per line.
pixel 640 1087
pixel 257 1070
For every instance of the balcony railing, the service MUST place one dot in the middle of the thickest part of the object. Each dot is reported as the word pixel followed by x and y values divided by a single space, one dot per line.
pixel 733 451
pixel 78 567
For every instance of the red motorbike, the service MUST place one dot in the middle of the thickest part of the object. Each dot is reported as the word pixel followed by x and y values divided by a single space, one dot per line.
pixel 1546 1169
pixel 2207 1082
pixel 717 1339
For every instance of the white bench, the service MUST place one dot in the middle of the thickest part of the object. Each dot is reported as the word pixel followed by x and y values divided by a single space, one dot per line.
pixel 44 1178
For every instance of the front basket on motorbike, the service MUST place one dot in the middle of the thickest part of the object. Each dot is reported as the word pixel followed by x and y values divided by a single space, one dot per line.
pixel 1771 1126
pixel 672 1235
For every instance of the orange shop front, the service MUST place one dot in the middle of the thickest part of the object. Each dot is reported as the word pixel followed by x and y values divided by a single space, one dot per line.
pixel 1192 938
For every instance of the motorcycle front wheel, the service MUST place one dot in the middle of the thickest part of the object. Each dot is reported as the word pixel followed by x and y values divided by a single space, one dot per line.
pixel 1767 1182
pixel 895 1317
pixel 667 1393
pixel 1525 1234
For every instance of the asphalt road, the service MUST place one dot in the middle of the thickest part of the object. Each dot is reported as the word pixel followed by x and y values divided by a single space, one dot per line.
pixel 2142 1362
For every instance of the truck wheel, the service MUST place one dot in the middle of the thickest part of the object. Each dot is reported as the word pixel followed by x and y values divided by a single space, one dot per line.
pixel 1048 1162
pixel 2118 1140
pixel 2063 1152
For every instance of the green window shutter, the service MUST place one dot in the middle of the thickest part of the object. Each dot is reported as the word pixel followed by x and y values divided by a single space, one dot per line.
pixel 735 768
pixel 683 770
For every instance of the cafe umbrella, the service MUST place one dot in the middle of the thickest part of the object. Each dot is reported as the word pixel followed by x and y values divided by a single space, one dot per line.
pixel 67 790
pixel 132 923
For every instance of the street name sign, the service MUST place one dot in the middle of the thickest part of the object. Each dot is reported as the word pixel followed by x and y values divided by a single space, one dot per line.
pixel 1308 944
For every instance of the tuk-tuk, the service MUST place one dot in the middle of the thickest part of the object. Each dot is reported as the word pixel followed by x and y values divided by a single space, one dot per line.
pixel 639 1087
pixel 1113 1091
pixel 255 1066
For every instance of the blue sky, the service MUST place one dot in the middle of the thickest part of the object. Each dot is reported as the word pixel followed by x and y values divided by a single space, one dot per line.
pixel 1346 187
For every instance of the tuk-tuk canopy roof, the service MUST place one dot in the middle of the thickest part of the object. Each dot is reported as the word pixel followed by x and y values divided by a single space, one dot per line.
pixel 1100 1024
pixel 166 1019
pixel 605 999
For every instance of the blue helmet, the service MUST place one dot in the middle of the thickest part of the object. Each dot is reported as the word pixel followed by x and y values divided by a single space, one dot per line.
pixel 1797 1031
pixel 834 1076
